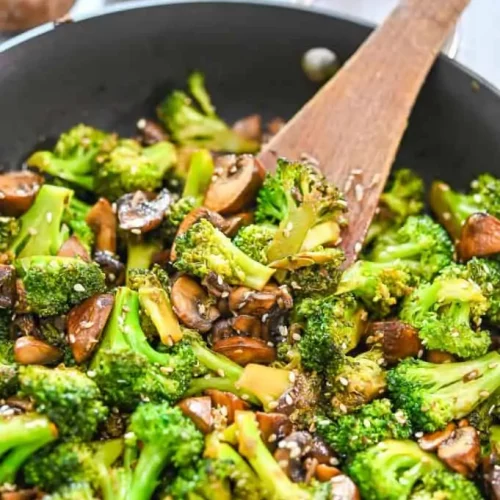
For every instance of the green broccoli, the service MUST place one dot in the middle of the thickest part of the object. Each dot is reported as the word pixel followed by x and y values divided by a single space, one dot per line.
pixel 443 312
pixel 73 463
pixel 372 423
pixel 199 176
pixel 174 215
pixel 74 218
pixel 453 208
pixel 76 491
pixel 41 232
pixel 484 416
pixel 20 437
pixel 390 470
pixel 52 285
pixel 128 370
pixel 168 438
pixel 420 243
pixel 74 156
pixel 403 196
pixel 199 126
pixel 445 485
pixel 297 197
pixel 67 396
pixel 378 285
pixel 141 251
pixel 130 167
pixel 355 381
pixel 9 381
pixel 9 229
pixel 333 326
pixel 254 240
pixel 204 249
pixel 433 395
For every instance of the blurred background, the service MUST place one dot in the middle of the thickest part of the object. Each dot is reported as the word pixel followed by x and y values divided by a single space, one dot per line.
pixel 475 43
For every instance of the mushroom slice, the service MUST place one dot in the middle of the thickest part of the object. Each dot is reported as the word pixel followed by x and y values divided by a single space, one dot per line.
pixel 227 400
pixel 399 340
pixel 243 300
pixel 273 427
pixel 236 222
pixel 86 322
pixel 249 127
pixel 25 494
pixel 102 221
pixel 321 452
pixel 245 350
pixel 199 410
pixel 8 289
pixel 247 325
pixel 343 488
pixel 151 132
pixel 439 357
pixel 222 329
pixel 431 442
pixel 461 452
pixel 480 237
pixel 17 191
pixel 32 351
pixel 235 184
pixel 72 247
pixel 111 266
pixel 141 212
pixel 324 473
pixel 216 286
pixel 290 453
pixel 192 304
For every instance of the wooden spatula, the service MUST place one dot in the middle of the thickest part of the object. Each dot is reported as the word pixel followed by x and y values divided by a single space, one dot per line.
pixel 354 124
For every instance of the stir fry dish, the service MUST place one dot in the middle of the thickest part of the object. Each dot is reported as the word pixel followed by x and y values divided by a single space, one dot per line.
pixel 176 323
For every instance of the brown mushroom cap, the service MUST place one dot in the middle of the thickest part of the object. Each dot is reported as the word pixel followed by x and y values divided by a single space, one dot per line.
pixel 151 132
pixel 111 266
pixel 235 184
pixel 480 237
pixel 227 400
pixel 102 221
pixel 273 427
pixel 290 453
pixel 249 127
pixel 141 212
pixel 237 221
pixel 193 305
pixel 32 351
pixel 72 247
pixel 17 191
pixel 245 350
pixel 199 410
pixel 431 441
pixel 86 322
pixel 244 300
pixel 461 451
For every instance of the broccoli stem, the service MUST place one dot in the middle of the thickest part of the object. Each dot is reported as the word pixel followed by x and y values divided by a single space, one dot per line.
pixel 19 431
pixel 217 363
pixel 140 253
pixel 198 385
pixel 321 234
pixel 201 169
pixel 151 462
pixel 390 253
pixel 251 446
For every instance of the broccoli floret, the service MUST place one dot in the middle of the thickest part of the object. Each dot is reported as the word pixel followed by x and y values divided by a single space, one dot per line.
pixel 391 469
pixel 204 249
pixel 355 381
pixel 41 232
pixel 274 480
pixel 74 156
pixel 128 370
pixel 403 196
pixel 434 395
pixel 254 240
pixel 378 285
pixel 9 381
pixel 130 167
pixel 333 326
pixel 453 208
pixel 199 176
pixel 52 285
pixel 443 312
pixel 174 215
pixel 199 126
pixel 297 197
pixel 9 229
pixel 374 422
pixel 20 437
pixel 67 396
pixel 74 463
pixel 421 244
pixel 484 416
pixel 445 485
pixel 74 217
pixel 168 438
pixel 76 491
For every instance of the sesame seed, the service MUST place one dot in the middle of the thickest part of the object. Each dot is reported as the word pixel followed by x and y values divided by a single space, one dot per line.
pixel 272 438
pixel 91 373
pixel 295 453
pixel 420 353
pixel 141 124
pixel 366 422
pixel 418 435
pixel 221 372
pixel 343 408
pixel 344 381
pixel 296 336
pixel 135 230
pixel 375 180
pixel 492 365
pixel 264 317
pixel 223 411
pixel 358 246
pixel 201 308
pixel 2 195
pixel 270 344
pixel 214 178
pixel 48 217
pixel 224 295
pixel 359 192
pixel 484 394
pixel 283 330
pixel 334 461
pixel 87 324
pixel 348 184
pixel 32 231
pixel 446 215
pixel 79 288
pixel 245 397
pixel 288 400
pixel 219 280
pixel 292 377
pixel 283 464
pixel 233 169
pixel 272 405
pixel 71 338
pixel 113 208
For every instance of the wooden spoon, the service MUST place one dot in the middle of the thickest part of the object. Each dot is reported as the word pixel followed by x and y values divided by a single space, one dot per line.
pixel 354 124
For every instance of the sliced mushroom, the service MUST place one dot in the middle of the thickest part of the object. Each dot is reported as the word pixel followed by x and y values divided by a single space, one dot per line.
pixel 324 473
pixel 32 351
pixel 343 488
pixel 245 350
pixel 492 480
pixel 141 212
pixel 17 191
pixel 236 222
pixel 23 325
pixel 222 329
pixel 399 340
pixel 321 451
pixel 480 237
pixel 216 286
pixel 243 300
pixel 249 127
pixel 273 427
pixel 431 442
pixel 227 400
pixel 199 410
pixel 151 132
pixel 461 452
pixel 22 404
pixel 72 247
pixel 102 221
pixel 192 304
pixel 111 266
pixel 235 184
pixel 290 453
pixel 26 494
pixel 8 289
pixel 86 322
pixel 439 357
pixel 247 325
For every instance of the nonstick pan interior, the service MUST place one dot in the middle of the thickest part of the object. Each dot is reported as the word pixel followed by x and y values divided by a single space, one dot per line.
pixel 109 71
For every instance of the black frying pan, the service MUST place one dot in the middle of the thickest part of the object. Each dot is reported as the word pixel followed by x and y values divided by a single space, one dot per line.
pixel 110 70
